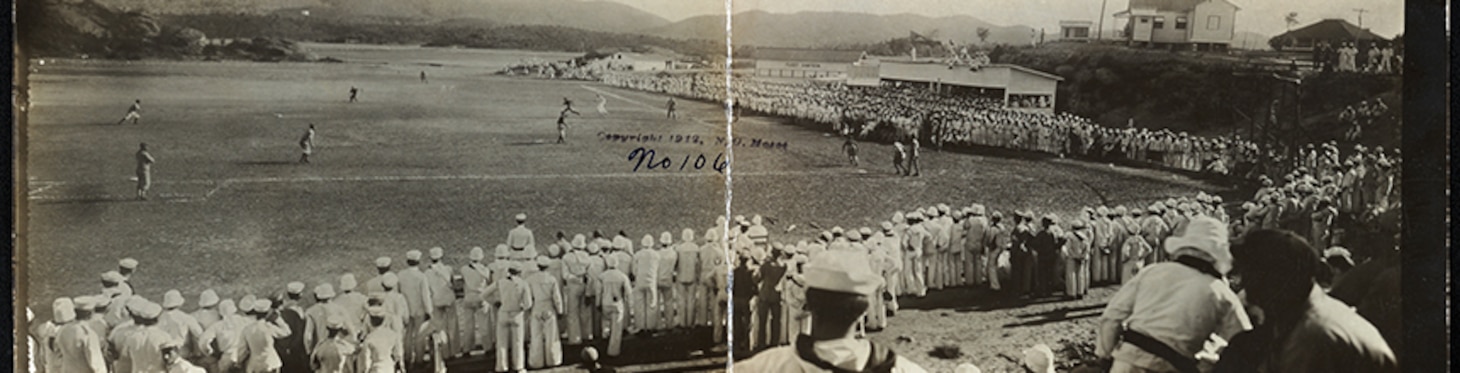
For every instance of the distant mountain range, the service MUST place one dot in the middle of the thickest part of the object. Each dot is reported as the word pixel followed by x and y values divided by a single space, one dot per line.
pixel 750 28
pixel 833 29
pixel 604 16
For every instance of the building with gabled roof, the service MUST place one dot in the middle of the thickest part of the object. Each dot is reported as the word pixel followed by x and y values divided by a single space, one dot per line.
pixel 1017 87
pixel 1332 31
pixel 1199 24
pixel 1075 30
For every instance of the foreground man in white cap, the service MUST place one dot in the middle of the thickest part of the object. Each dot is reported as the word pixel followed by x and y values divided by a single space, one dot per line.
pixel 714 277
pixel 224 335
pixel 839 288
pixel 644 309
pixel 575 284
pixel 520 239
pixel 417 289
pixel 207 312
pixel 316 315
pixel 686 279
pixel 1159 320
pixel 614 292
pixel 140 345
pixel 75 347
pixel 334 354
pixel 126 267
pixel 514 299
pixel 443 306
pixel 382 266
pixel 472 324
pixel 352 303
pixel 545 349
pixel 179 324
pixel 291 349
pixel 381 351
pixel 257 350
pixel 667 306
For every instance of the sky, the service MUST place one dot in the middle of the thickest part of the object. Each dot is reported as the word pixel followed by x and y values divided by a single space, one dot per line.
pixel 1384 17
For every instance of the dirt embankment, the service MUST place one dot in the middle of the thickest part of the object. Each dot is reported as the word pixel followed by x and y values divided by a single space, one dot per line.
pixel 87 29
pixel 1205 93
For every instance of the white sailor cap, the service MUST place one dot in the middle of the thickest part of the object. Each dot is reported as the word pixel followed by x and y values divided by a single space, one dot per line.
pixel 845 272
pixel 295 287
pixel 347 282
pixel 172 299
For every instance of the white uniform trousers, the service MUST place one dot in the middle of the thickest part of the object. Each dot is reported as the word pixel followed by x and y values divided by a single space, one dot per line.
pixel 575 313
pixel 613 314
pixel 645 310
pixel 510 339
pixel 545 349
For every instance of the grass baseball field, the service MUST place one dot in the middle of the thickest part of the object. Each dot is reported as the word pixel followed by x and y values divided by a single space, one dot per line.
pixel 449 161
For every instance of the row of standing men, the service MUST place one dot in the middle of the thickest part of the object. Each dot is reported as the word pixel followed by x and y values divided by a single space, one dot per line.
pixel 595 289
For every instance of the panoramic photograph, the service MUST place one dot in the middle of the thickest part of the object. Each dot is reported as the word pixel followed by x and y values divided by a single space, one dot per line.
pixel 719 185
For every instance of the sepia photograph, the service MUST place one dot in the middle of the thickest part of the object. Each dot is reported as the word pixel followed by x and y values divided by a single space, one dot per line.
pixel 360 186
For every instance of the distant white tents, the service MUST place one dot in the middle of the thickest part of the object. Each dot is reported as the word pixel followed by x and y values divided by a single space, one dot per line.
pixel 641 62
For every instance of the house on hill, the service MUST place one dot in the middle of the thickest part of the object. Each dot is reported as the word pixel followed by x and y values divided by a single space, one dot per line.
pixel 1197 24
pixel 1075 30
pixel 804 63
pixel 1331 31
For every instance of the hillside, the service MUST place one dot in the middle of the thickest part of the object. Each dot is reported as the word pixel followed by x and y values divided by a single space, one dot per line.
pixel 1201 93
pixel 839 29
pixel 589 15
pixel 333 27
pixel 88 29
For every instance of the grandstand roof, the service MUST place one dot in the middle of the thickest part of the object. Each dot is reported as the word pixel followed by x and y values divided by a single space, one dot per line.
pixel 806 55
pixel 1031 71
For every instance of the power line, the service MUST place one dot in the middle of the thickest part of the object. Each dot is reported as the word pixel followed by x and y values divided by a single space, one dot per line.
pixel 1361 12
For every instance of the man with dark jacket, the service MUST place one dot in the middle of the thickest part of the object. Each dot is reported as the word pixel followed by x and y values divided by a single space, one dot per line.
pixel 1302 329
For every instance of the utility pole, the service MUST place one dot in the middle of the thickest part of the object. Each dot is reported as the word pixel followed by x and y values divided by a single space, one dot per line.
pixel 1361 12
pixel 1100 29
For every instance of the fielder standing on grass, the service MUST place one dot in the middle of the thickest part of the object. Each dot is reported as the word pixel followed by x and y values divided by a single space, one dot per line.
pixel 563 125
pixel 134 113
pixel 144 171
pixel 602 103
pixel 913 168
pixel 306 144
pixel 568 106
pixel 850 147
pixel 670 113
